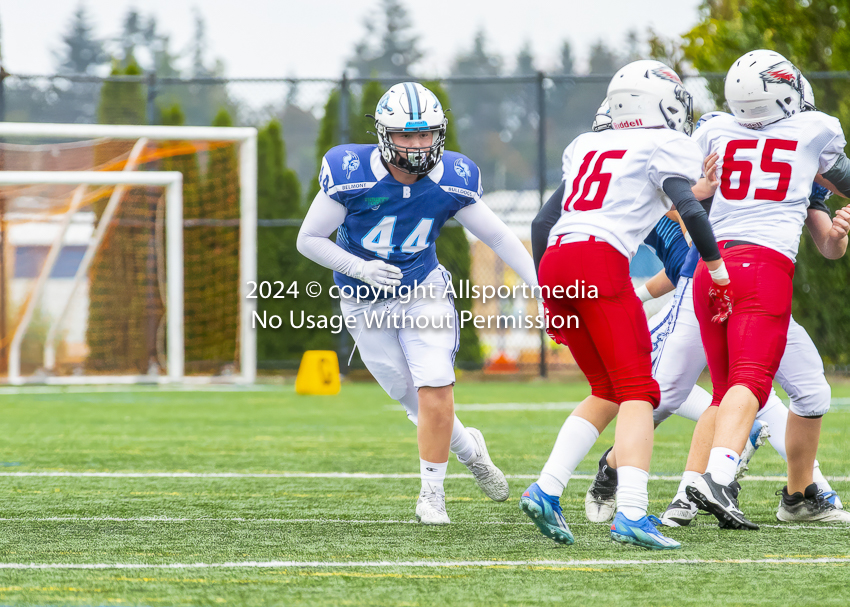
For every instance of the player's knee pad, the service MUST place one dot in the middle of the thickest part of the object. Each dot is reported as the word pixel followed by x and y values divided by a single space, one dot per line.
pixel 814 403
pixel 670 399
pixel 410 402
pixel 645 389
pixel 754 379
pixel 390 377
pixel 605 392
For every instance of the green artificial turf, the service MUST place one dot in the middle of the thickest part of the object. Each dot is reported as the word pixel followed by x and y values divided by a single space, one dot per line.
pixel 312 523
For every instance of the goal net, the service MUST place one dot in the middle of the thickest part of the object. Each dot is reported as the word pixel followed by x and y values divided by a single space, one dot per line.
pixel 125 253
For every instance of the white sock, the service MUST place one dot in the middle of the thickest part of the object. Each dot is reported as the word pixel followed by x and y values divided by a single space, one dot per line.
pixel 632 494
pixel 820 479
pixel 462 443
pixel 722 464
pixel 775 414
pixel 574 441
pixel 688 478
pixel 432 475
pixel 695 405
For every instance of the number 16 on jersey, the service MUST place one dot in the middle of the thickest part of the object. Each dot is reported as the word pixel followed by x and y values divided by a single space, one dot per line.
pixel 583 197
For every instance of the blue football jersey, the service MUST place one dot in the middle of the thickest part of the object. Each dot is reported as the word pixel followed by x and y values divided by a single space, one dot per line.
pixel 392 221
pixel 668 243
pixel 690 265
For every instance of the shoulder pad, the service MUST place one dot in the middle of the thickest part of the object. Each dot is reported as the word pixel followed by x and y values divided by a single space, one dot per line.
pixel 347 168
pixel 460 174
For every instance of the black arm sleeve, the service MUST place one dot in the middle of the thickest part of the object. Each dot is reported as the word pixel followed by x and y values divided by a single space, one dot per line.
pixel 817 204
pixel 546 218
pixel 839 175
pixel 693 215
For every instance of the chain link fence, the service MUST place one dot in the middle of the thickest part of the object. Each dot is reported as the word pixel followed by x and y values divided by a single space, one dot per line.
pixel 514 128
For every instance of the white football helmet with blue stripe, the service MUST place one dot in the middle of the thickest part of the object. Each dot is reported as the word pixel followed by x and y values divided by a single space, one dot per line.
pixel 410 107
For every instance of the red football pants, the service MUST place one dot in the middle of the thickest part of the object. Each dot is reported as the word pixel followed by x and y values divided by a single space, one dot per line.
pixel 611 341
pixel 747 348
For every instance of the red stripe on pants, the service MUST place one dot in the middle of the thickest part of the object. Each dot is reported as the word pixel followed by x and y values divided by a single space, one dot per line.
pixel 747 348
pixel 611 343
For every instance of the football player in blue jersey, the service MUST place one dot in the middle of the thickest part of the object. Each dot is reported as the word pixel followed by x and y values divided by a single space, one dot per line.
pixel 387 203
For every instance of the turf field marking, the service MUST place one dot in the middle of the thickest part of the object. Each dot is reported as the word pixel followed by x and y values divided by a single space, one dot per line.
pixel 431 564
pixel 554 406
pixel 363 475
pixel 567 406
pixel 323 521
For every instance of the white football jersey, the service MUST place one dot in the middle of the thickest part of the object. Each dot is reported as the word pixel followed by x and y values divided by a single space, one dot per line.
pixel 766 175
pixel 613 183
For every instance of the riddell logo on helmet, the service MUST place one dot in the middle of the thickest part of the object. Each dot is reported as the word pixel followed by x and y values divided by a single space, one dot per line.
pixel 627 124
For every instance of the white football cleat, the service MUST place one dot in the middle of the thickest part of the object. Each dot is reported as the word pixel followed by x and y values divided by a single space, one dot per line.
pixel 600 501
pixel 489 478
pixel 679 513
pixel 759 433
pixel 431 507
pixel 811 506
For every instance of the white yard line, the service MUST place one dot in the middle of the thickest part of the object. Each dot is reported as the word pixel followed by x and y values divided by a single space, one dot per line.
pixel 341 475
pixel 551 406
pixel 323 521
pixel 426 564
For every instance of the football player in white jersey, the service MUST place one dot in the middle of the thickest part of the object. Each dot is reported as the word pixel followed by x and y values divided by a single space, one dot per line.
pixel 387 203
pixel 770 150
pixel 678 359
pixel 614 186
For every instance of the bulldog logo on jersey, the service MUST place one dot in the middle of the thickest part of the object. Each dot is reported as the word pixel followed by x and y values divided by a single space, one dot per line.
pixel 667 74
pixel 782 73
pixel 350 162
pixel 462 170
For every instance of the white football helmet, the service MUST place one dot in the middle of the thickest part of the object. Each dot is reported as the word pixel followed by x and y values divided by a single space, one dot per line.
pixel 648 93
pixel 410 107
pixel 763 87
pixel 602 121
pixel 808 96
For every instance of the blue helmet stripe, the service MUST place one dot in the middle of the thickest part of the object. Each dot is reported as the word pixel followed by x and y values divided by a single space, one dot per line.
pixel 413 98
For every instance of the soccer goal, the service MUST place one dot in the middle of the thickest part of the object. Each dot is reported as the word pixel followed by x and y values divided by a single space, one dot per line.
pixel 126 253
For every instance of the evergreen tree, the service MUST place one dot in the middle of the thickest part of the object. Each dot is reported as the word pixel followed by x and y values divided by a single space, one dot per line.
pixel 82 52
pixel 363 128
pixel 278 197
pixel 397 49
pixel 211 262
pixel 301 129
pixel 813 36
pixel 119 333
pixel 329 133
pixel 123 102
pixel 566 58
pixel 604 60
pixel 477 110
pixel 453 252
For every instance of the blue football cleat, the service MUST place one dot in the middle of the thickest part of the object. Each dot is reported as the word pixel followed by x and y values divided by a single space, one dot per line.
pixel 641 532
pixel 758 434
pixel 833 498
pixel 545 511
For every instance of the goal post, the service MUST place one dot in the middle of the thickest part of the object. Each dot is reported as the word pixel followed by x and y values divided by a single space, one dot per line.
pixel 243 140
pixel 172 181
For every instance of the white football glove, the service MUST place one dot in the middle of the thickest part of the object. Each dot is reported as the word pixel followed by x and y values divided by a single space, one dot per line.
pixel 377 273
